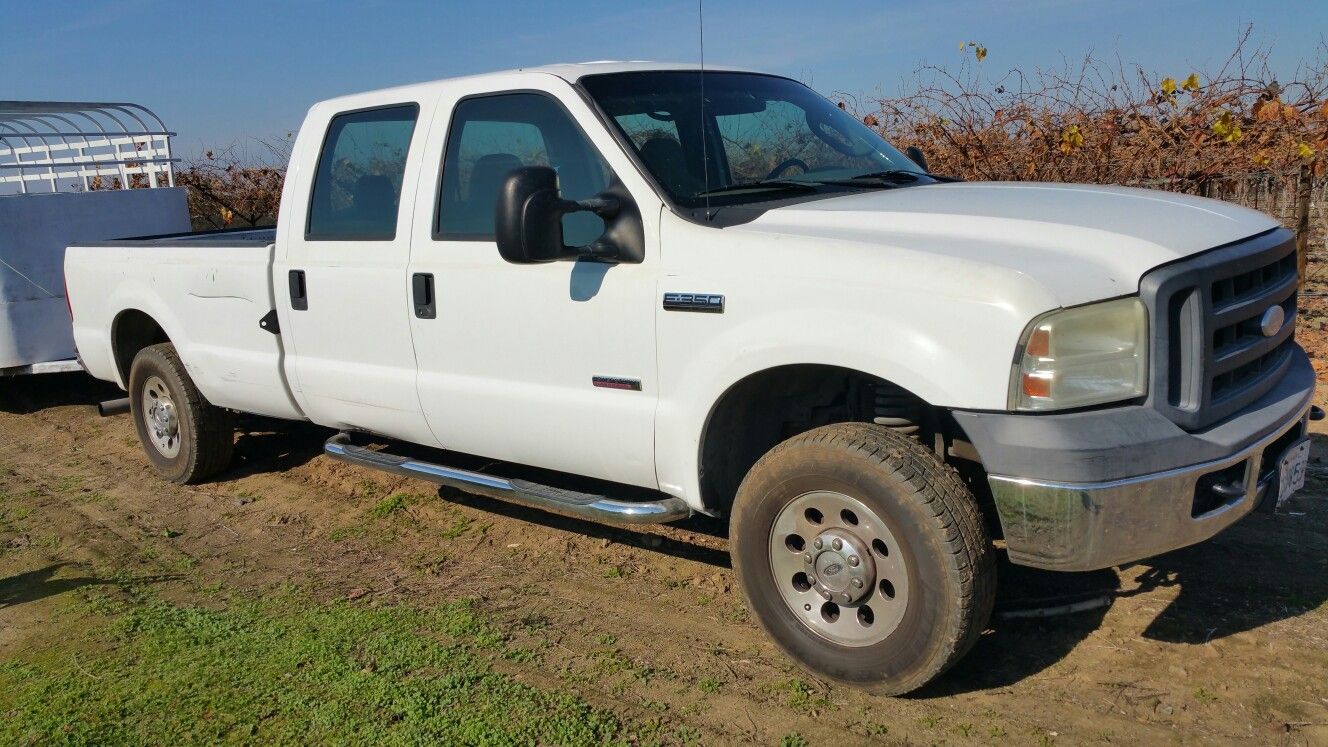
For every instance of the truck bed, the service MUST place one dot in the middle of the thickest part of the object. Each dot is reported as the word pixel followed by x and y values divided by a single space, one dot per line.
pixel 233 237
pixel 206 293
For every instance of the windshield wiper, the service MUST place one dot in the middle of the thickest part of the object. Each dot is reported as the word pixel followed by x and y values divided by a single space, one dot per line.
pixel 763 184
pixel 897 176
pixel 889 174
pixel 882 179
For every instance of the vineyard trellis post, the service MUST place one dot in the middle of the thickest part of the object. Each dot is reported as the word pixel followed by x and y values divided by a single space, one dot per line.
pixel 1304 186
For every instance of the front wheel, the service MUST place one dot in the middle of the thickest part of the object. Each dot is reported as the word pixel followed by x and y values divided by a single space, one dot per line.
pixel 187 438
pixel 863 556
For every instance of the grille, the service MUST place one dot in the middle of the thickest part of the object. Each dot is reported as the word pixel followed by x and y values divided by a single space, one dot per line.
pixel 1211 357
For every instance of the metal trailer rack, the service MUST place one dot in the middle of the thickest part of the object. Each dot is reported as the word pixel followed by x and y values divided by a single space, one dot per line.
pixel 72 172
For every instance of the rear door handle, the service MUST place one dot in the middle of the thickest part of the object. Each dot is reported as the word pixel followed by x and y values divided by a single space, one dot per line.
pixel 299 297
pixel 421 289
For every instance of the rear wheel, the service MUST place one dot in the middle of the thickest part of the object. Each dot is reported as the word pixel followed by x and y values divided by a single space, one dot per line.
pixel 186 438
pixel 863 556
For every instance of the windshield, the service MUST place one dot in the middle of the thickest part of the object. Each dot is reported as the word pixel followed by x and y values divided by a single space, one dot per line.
pixel 761 137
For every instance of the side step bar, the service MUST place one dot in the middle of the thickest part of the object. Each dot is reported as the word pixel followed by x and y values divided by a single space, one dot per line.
pixel 580 505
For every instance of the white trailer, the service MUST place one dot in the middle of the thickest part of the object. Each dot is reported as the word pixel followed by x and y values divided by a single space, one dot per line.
pixel 72 172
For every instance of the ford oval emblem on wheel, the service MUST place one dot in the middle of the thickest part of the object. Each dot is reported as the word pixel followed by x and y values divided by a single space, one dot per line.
pixel 1272 320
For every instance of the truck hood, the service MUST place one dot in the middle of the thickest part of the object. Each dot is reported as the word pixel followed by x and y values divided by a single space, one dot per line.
pixel 1082 243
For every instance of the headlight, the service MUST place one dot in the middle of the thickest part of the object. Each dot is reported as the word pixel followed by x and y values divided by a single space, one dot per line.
pixel 1086 355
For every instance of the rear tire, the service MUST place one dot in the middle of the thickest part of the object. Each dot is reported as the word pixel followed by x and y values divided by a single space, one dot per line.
pixel 863 556
pixel 186 438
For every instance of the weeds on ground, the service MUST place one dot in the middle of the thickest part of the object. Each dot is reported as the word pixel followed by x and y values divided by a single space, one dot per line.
pixel 284 669
pixel 392 504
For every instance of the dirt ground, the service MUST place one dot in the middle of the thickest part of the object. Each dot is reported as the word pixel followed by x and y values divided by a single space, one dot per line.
pixel 1223 642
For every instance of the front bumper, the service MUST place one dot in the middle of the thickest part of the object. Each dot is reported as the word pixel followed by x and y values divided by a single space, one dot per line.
pixel 1085 524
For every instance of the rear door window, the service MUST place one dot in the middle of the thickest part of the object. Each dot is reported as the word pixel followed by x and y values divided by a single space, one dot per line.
pixel 357 188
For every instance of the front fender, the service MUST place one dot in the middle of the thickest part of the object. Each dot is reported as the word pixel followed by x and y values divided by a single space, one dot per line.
pixel 941 327
pixel 690 394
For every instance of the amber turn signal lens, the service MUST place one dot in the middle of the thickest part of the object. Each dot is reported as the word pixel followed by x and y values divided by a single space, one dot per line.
pixel 1039 344
pixel 1037 385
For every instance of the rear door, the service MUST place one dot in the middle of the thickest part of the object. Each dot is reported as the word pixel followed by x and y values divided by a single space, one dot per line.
pixel 342 277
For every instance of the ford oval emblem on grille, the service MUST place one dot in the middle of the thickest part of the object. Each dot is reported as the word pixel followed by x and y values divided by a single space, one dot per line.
pixel 1272 320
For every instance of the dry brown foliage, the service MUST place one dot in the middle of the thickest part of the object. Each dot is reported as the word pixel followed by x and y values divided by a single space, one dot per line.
pixel 1108 122
pixel 236 186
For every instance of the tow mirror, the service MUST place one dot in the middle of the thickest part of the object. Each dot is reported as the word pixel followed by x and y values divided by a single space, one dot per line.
pixel 528 221
pixel 915 155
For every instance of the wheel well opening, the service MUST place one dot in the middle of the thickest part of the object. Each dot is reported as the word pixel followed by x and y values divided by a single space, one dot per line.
pixel 132 331
pixel 779 403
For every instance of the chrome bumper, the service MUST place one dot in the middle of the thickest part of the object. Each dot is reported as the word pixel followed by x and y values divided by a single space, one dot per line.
pixel 1085 526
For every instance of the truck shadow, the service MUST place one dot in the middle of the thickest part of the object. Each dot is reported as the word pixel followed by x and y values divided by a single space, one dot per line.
pixel 1014 649
pixel 1254 574
pixel 266 445
pixel 1264 570
pixel 644 539
pixel 23 395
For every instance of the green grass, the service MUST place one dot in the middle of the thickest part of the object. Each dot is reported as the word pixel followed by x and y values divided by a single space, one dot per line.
pixel 286 670
pixel 69 484
pixel 800 696
pixel 458 528
pixel 392 504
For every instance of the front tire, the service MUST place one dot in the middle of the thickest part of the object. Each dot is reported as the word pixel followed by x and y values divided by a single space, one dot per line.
pixel 863 556
pixel 186 438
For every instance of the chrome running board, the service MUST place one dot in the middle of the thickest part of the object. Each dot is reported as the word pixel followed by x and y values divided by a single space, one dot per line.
pixel 581 505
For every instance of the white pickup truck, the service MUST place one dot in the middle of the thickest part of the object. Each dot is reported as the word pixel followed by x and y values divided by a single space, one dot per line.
pixel 715 292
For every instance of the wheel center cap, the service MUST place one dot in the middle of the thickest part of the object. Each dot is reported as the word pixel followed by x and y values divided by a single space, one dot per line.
pixel 839 566
pixel 163 419
pixel 830 569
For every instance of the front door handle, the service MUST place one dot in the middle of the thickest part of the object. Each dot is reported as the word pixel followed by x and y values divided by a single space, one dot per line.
pixel 421 289
pixel 299 296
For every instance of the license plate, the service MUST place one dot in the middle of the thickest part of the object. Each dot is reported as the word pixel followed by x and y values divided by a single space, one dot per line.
pixel 1291 473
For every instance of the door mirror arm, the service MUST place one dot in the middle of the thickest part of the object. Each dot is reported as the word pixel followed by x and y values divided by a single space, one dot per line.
pixel 604 206
pixel 607 208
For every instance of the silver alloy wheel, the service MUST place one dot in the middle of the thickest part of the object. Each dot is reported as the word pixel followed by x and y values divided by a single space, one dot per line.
pixel 839 568
pixel 161 417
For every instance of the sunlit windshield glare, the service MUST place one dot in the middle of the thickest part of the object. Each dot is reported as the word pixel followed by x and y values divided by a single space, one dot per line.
pixel 755 128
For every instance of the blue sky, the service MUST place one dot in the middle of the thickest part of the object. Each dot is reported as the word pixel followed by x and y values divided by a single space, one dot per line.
pixel 220 72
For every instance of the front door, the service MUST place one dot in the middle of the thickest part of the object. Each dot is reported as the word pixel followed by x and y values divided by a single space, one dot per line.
pixel 551 365
pixel 344 280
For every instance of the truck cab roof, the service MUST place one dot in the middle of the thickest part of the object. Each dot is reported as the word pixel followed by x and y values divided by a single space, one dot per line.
pixel 568 71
